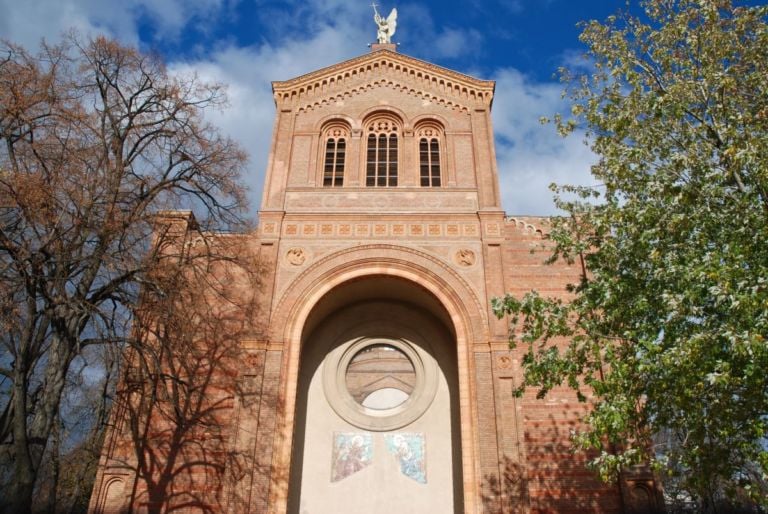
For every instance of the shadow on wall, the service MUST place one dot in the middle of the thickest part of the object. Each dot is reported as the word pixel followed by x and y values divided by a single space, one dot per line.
pixel 505 494
pixel 173 446
pixel 555 477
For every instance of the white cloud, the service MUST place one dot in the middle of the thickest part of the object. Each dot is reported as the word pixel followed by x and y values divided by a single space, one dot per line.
pixel 454 42
pixel 416 29
pixel 27 23
pixel 531 156
pixel 577 61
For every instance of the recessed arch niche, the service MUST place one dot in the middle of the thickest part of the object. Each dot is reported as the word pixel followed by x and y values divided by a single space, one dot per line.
pixel 348 457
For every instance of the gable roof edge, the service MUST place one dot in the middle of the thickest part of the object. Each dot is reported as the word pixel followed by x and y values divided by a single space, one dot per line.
pixel 308 83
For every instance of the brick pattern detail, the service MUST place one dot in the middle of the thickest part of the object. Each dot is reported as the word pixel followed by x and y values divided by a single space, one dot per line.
pixel 513 486
pixel 371 230
pixel 172 463
pixel 265 436
pixel 245 427
pixel 557 478
pixel 486 425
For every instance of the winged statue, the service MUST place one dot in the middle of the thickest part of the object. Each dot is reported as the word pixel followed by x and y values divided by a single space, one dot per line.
pixel 386 25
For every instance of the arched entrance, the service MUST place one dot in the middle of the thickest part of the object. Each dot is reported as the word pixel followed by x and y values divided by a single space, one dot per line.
pixel 377 425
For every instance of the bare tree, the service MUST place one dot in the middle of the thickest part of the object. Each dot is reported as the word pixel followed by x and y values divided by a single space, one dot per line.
pixel 97 138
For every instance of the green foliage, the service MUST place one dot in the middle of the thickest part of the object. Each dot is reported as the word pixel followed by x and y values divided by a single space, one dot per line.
pixel 668 324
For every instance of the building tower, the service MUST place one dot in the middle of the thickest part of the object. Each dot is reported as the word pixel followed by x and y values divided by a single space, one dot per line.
pixel 381 381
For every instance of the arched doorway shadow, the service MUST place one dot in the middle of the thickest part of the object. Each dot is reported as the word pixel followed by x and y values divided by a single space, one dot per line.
pixel 398 313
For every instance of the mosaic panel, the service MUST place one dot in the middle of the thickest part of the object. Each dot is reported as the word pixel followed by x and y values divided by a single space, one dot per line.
pixel 352 451
pixel 410 452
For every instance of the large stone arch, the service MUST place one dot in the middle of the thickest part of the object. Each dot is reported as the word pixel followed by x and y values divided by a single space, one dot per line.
pixel 465 314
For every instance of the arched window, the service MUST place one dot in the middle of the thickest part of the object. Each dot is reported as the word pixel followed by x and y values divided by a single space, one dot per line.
pixel 381 156
pixel 429 156
pixel 335 156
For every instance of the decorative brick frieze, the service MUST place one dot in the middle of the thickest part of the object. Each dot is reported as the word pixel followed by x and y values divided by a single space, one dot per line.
pixel 349 200
pixel 377 230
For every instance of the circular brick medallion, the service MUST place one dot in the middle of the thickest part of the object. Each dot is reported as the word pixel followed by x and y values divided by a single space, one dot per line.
pixel 465 257
pixel 296 256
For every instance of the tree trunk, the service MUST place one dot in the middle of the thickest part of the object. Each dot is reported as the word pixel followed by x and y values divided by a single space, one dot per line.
pixel 60 356
pixel 30 439
pixel 19 499
pixel 55 455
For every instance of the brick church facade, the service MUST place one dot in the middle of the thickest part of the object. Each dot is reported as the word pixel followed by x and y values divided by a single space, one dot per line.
pixel 379 379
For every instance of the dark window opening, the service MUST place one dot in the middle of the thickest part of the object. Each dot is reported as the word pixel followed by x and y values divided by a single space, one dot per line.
pixel 333 173
pixel 381 160
pixel 429 162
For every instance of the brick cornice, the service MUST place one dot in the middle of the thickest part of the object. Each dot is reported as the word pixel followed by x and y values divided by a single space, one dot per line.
pixel 384 82
pixel 399 66
pixel 530 224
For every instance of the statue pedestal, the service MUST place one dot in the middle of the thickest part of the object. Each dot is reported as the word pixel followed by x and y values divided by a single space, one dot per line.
pixel 392 47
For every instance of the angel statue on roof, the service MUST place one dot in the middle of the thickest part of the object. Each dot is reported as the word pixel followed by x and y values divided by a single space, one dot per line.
pixel 386 25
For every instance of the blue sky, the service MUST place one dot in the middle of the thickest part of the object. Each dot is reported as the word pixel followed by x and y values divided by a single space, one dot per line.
pixel 248 43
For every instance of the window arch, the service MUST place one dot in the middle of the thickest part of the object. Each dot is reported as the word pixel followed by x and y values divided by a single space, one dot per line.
pixel 429 136
pixel 334 158
pixel 382 152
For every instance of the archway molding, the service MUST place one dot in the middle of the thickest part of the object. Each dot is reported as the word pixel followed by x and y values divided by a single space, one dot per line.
pixel 453 293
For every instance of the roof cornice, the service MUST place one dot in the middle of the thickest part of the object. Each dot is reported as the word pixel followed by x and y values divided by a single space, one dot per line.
pixel 450 82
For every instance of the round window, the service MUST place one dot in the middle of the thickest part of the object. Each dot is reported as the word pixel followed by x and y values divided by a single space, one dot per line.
pixel 379 384
pixel 380 377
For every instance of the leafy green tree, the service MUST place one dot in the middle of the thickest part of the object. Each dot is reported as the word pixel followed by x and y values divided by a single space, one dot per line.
pixel 667 326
